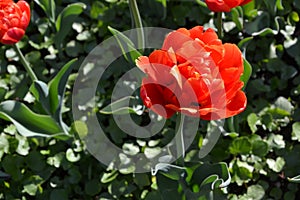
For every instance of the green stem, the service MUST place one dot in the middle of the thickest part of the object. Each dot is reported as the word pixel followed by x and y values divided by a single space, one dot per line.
pixel 231 124
pixel 25 63
pixel 219 25
pixel 179 139
pixel 135 15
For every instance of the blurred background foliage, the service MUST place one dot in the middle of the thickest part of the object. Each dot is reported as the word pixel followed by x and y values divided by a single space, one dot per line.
pixel 261 149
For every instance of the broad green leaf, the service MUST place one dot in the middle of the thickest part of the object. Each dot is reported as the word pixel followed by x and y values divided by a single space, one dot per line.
pixel 214 174
pixel 40 91
pixel 243 172
pixel 276 193
pixel 60 194
pixel 240 145
pixel 92 187
pixel 253 120
pixel 49 8
pixel 279 5
pixel 33 56
pixel 296 131
pixel 235 18
pixel 65 20
pixel 35 161
pixel 23 145
pixel 81 128
pixel 260 148
pixel 210 179
pixel 276 141
pixel 284 104
pixel 57 88
pixel 271 6
pixel 2 93
pixel 247 73
pixel 27 122
pixel 128 48
pixel 119 107
pixel 276 165
pixel 141 180
pixel 243 43
pixel 138 25
pixel 168 187
pixel 51 96
pixel 153 195
pixel 255 192
pixel 30 189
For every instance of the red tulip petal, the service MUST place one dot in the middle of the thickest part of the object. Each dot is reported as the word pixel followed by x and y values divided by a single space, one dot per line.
pixel 153 97
pixel 232 89
pixel 25 8
pixel 12 36
pixel 143 63
pixel 233 3
pixel 175 39
pixel 231 67
pixel 217 6
pixel 161 57
pixel 199 88
pixel 216 52
pixel 197 32
pixel 207 37
pixel 245 2
pixel 237 104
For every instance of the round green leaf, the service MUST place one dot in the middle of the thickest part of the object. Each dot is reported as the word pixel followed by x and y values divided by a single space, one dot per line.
pixel 92 187
pixel 255 192
pixel 240 145
pixel 260 148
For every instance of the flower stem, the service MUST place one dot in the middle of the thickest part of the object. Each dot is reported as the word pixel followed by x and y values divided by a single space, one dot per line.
pixel 231 124
pixel 25 63
pixel 179 139
pixel 219 25
pixel 137 21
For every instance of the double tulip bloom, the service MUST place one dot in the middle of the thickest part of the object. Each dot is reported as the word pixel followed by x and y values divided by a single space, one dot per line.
pixel 224 5
pixel 14 19
pixel 195 74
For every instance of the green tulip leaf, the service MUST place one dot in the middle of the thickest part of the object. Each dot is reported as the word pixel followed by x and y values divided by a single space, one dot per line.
pixel 40 91
pixel 247 72
pixel 235 18
pixel 27 122
pixel 120 107
pixel 214 174
pixel 51 96
pixel 49 8
pixel 127 46
pixel 57 88
pixel 65 20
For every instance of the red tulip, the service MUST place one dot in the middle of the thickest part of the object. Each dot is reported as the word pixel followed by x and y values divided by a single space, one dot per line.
pixel 195 74
pixel 14 18
pixel 224 5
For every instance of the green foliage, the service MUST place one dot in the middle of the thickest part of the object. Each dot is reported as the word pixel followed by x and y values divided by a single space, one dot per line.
pixel 257 157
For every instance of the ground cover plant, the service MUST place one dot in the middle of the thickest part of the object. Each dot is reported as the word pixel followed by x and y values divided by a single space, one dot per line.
pixel 212 89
